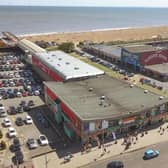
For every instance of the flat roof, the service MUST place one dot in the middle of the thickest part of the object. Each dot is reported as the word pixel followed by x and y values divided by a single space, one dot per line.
pixel 142 48
pixel 28 45
pixel 109 50
pixel 67 66
pixel 120 98
pixel 161 68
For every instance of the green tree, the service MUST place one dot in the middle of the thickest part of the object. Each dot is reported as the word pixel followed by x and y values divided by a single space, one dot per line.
pixel 3 145
pixel 1 134
pixel 67 47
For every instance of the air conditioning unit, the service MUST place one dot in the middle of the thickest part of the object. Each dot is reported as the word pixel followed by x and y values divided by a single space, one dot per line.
pixel 131 86
pixel 161 98
pixel 146 91
pixel 102 97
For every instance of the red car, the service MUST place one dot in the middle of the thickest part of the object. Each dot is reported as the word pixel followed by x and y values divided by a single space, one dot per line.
pixel 24 94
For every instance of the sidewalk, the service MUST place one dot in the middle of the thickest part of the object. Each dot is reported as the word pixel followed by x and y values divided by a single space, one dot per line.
pixel 78 160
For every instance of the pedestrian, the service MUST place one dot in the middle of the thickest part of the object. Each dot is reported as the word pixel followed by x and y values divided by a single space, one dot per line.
pixel 104 149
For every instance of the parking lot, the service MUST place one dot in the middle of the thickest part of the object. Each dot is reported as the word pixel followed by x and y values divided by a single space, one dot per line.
pixel 22 113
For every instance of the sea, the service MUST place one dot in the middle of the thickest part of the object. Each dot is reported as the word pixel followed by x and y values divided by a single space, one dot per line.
pixel 23 20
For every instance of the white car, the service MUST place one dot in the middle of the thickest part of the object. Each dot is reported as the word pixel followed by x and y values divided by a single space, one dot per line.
pixel 29 120
pixel 43 140
pixel 37 93
pixel 12 132
pixel 7 122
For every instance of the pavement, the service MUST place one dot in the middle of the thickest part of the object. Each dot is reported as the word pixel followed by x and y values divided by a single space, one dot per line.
pixel 136 158
pixel 79 159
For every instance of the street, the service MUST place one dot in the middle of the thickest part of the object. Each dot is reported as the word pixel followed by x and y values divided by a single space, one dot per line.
pixel 134 159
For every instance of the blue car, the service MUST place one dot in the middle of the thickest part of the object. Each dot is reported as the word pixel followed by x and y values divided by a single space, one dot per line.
pixel 150 153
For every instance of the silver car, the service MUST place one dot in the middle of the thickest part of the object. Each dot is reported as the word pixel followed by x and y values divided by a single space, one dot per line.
pixel 32 143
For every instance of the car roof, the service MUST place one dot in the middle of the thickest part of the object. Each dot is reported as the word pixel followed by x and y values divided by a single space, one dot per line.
pixel 149 151
pixel 11 128
pixel 6 119
pixel 115 163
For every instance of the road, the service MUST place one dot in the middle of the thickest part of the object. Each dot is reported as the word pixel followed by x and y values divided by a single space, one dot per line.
pixel 134 159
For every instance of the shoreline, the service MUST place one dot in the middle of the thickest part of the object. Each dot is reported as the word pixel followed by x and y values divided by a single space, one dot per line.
pixel 101 35
pixel 85 31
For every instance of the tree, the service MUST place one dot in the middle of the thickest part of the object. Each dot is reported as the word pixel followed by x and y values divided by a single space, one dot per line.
pixel 67 47
pixel 2 145
pixel 1 134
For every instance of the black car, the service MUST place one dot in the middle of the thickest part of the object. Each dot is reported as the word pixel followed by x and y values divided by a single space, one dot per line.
pixel 22 103
pixel 26 108
pixel 16 141
pixel 14 148
pixel 19 121
pixel 20 109
pixel 18 158
pixel 30 103
pixel 12 110
pixel 115 164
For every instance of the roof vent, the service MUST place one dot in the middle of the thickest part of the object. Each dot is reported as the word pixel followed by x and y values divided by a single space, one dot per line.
pixel 76 68
pixel 58 64
pixel 145 91
pixel 48 57
pixel 102 97
pixel 161 98
pixel 90 89
pixel 67 63
pixel 131 86
pixel 60 59
pixel 53 55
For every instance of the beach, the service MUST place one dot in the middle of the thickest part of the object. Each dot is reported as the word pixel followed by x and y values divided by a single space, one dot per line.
pixel 123 34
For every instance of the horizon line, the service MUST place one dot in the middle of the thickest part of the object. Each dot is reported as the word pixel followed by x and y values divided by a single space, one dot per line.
pixel 84 6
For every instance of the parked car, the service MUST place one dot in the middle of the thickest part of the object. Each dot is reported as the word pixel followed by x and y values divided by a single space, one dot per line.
pixel 18 158
pixel 151 153
pixel 32 143
pixel 2 111
pixel 19 121
pixel 20 109
pixel 31 103
pixel 12 132
pixel 115 164
pixel 6 122
pixel 16 142
pixel 28 120
pixel 43 140
pixel 12 110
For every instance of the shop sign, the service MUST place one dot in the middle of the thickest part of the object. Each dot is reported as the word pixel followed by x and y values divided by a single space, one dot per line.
pixel 71 115
pixel 47 70
pixel 162 108
pixel 105 124
pixel 128 120
pixel 91 126
pixel 52 95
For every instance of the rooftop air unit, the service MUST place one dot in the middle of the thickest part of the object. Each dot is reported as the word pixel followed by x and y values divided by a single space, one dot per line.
pixel 161 98
pixel 145 91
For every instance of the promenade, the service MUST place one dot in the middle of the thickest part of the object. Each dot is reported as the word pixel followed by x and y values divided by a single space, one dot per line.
pixel 79 159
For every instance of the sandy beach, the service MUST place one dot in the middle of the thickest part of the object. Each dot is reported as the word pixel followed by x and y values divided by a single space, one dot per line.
pixel 105 35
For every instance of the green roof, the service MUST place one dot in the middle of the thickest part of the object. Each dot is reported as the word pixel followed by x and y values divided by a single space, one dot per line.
pixel 120 98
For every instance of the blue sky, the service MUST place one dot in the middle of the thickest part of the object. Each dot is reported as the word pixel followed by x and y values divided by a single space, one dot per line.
pixel 144 3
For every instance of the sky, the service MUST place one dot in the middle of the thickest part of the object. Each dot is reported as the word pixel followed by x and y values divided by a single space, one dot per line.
pixel 126 3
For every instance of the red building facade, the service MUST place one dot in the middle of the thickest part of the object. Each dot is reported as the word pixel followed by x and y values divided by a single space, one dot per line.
pixel 53 75
pixel 154 57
